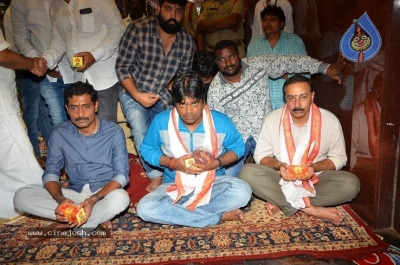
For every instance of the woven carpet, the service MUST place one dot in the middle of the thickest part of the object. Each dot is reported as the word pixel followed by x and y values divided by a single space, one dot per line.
pixel 136 242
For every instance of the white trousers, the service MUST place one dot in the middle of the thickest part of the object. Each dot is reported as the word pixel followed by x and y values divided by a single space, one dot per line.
pixel 18 165
pixel 38 201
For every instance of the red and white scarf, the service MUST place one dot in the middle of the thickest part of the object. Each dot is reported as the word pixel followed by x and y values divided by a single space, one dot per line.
pixel 297 193
pixel 201 184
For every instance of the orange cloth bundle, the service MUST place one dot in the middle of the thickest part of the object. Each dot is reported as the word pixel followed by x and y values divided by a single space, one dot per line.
pixel 72 212
pixel 297 172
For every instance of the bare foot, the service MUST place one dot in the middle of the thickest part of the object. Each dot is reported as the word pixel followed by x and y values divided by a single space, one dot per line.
pixel 106 227
pixel 234 215
pixel 271 208
pixel 154 183
pixel 30 239
pixel 328 213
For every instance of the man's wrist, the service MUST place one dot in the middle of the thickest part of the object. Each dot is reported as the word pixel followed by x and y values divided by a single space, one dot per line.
pixel 96 197
pixel 60 199
pixel 171 163
pixel 219 163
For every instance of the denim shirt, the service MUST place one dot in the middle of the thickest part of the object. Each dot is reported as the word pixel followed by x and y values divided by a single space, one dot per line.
pixel 95 159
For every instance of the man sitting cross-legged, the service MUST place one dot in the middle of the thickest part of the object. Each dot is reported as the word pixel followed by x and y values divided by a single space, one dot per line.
pixel 170 140
pixel 301 133
pixel 94 154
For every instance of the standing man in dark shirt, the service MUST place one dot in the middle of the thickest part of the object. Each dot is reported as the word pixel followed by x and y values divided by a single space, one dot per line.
pixel 152 51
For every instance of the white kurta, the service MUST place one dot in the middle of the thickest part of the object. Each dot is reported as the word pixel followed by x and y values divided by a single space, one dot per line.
pixel 18 165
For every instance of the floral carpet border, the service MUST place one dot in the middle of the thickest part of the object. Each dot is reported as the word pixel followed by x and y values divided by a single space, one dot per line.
pixel 138 242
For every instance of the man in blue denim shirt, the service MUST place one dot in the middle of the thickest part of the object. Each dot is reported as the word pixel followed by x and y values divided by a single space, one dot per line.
pixel 94 154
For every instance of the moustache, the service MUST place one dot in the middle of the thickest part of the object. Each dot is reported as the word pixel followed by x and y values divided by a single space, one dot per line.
pixel 172 20
pixel 229 66
pixel 298 109
pixel 82 119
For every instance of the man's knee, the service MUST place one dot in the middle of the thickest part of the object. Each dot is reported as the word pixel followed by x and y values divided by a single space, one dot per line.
pixel 22 197
pixel 249 171
pixel 145 207
pixel 245 172
pixel 117 200
pixel 244 191
pixel 351 186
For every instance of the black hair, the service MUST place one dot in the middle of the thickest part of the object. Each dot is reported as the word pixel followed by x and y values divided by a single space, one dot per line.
pixel 223 44
pixel 181 3
pixel 297 78
pixel 188 85
pixel 78 89
pixel 274 11
pixel 204 64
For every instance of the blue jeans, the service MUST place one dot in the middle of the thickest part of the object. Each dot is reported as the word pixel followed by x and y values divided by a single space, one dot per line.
pixel 250 146
pixel 228 193
pixel 108 99
pixel 139 119
pixel 35 112
pixel 53 94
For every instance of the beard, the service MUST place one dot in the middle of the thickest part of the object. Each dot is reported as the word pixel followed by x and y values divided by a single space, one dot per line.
pixel 167 26
pixel 235 72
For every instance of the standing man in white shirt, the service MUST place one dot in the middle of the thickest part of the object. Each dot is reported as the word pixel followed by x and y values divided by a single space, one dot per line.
pixel 257 29
pixel 90 29
pixel 31 31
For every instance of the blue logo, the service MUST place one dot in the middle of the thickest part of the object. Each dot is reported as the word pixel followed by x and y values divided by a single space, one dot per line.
pixel 361 41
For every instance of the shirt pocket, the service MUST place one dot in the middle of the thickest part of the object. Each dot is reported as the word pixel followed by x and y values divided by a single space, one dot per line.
pixel 87 20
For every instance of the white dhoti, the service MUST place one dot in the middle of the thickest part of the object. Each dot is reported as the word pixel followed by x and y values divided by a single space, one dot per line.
pixel 18 165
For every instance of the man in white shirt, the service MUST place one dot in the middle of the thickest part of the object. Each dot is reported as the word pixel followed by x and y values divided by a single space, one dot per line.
pixel 92 30
pixel 301 138
pixel 256 28
pixel 31 31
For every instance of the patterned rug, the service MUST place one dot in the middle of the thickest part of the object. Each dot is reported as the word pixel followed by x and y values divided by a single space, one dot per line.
pixel 136 242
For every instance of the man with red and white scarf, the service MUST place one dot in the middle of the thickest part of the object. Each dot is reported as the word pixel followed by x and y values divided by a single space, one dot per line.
pixel 195 190
pixel 305 139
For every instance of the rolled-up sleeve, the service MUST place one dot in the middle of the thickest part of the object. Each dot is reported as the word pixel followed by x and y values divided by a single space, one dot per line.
pixel 120 159
pixel 54 158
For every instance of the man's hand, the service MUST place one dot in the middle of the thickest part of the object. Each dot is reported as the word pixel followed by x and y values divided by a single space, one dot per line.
pixel 202 26
pixel 180 165
pixel 283 171
pixel 310 171
pixel 334 69
pixel 210 164
pixel 60 216
pixel 87 206
pixel 54 73
pixel 88 60
pixel 146 99
pixel 40 67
